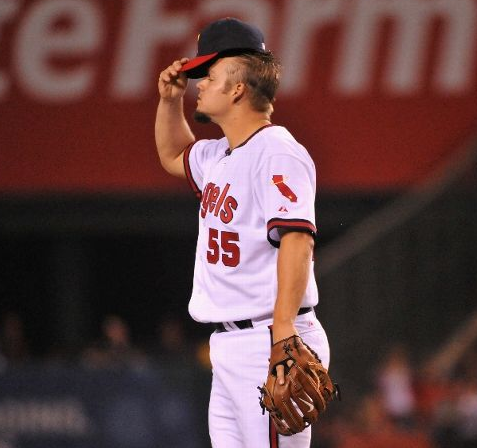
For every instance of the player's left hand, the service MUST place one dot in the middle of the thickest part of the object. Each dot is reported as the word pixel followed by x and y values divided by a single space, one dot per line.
pixel 305 391
pixel 281 372
pixel 281 332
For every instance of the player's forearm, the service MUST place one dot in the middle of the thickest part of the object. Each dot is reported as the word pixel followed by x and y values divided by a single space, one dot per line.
pixel 172 134
pixel 294 259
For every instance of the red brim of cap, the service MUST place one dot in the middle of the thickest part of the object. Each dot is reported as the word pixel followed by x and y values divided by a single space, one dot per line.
pixel 197 61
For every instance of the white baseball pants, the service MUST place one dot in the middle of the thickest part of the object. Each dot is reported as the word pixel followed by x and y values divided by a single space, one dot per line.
pixel 239 365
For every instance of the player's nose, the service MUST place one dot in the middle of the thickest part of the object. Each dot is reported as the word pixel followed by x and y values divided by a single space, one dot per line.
pixel 200 85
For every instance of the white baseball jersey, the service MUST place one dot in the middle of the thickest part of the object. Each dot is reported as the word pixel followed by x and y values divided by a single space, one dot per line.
pixel 264 185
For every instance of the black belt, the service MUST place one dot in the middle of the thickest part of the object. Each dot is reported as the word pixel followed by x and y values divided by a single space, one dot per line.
pixel 247 323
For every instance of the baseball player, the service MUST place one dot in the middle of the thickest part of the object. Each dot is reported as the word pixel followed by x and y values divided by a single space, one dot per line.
pixel 254 277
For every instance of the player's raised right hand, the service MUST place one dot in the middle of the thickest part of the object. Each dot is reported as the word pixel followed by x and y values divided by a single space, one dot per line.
pixel 172 82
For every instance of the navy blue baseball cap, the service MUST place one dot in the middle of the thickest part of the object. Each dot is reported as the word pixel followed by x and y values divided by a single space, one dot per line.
pixel 223 37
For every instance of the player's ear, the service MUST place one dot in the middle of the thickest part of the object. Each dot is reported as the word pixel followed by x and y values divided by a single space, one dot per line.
pixel 238 92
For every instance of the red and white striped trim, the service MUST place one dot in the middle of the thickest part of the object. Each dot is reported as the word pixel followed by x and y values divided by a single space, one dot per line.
pixel 188 171
pixel 295 225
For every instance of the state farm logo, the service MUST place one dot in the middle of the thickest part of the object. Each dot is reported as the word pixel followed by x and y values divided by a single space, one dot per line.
pixel 380 92
pixel 60 64
pixel 405 37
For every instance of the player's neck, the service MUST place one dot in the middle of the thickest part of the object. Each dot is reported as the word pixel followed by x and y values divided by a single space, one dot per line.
pixel 238 129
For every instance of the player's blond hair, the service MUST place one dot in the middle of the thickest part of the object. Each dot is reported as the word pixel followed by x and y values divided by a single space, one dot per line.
pixel 261 74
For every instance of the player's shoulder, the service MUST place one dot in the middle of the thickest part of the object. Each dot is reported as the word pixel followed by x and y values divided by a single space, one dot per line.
pixel 278 140
pixel 276 132
pixel 211 144
pixel 210 148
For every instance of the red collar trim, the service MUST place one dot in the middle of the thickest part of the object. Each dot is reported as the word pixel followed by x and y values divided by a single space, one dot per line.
pixel 228 151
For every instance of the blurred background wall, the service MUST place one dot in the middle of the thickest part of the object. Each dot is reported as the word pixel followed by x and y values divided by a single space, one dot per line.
pixel 97 241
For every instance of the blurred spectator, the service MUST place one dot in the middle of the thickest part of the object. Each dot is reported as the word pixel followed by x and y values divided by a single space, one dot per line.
pixel 203 354
pixel 331 428
pixel 432 389
pixel 114 348
pixel 170 338
pixel 455 414
pixel 173 346
pixel 395 384
pixel 466 414
pixel 13 342
pixel 373 428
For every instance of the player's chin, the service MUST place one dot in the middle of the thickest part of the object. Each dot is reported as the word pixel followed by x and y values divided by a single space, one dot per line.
pixel 201 117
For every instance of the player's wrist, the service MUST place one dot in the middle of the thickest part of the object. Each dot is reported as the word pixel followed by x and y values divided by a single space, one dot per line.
pixel 171 100
pixel 282 330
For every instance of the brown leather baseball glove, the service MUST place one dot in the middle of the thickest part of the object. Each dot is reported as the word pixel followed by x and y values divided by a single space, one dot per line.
pixel 307 390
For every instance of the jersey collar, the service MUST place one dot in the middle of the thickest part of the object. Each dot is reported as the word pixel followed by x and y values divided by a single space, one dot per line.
pixel 229 151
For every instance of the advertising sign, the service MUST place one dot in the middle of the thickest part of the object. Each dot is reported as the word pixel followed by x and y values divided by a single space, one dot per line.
pixel 381 92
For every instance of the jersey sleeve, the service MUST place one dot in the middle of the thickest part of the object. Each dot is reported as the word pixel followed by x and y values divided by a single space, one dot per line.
pixel 196 157
pixel 286 195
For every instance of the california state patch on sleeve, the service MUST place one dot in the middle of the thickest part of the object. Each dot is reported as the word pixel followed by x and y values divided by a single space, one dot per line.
pixel 279 181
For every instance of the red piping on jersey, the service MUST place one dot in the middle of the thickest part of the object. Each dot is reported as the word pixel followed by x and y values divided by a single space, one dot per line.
pixel 296 225
pixel 302 223
pixel 272 431
pixel 188 171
